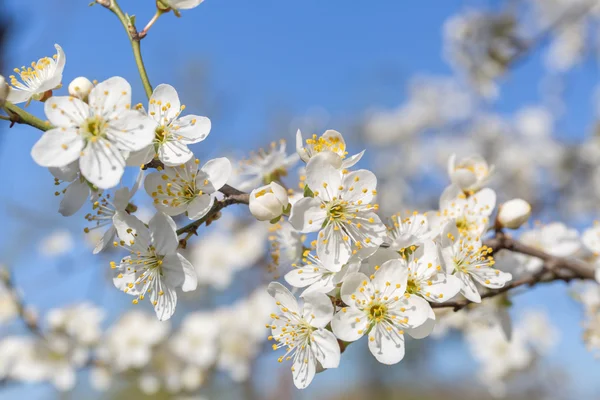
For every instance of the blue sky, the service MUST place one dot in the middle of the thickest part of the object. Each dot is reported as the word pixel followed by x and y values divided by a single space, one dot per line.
pixel 255 59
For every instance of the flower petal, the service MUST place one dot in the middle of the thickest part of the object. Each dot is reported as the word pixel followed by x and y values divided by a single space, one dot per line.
pixel 349 324
pixel 164 235
pixel 326 348
pixel 57 148
pixel 307 215
pixel 200 206
pixel 192 128
pixel 174 153
pixel 164 104
pixel 387 346
pixel 102 164
pixel 141 157
pixel 332 249
pixel 359 185
pixel 75 197
pixel 317 310
pixel 468 288
pixel 218 171
pixel 284 297
pixel 66 112
pixel 105 240
pixel 132 131
pixel 110 97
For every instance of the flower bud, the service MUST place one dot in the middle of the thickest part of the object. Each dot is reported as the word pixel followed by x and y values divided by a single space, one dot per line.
pixel 80 87
pixel 4 89
pixel 268 202
pixel 513 214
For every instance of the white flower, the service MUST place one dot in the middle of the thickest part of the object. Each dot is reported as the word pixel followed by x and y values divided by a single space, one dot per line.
pixel 378 306
pixel 95 134
pixel 219 255
pixel 591 239
pixel 302 331
pixel 129 342
pixel 331 144
pixel 470 212
pixel 316 276
pixel 555 239
pixel 76 193
pixel 195 342
pixel 469 174
pixel 264 167
pixel 4 90
pixel 241 333
pixel 499 356
pixel 111 211
pixel 154 268
pixel 287 244
pixel 426 277
pixel 183 4
pixel 514 213
pixel 173 134
pixel 341 210
pixel 53 359
pixel 268 202
pixel 470 262
pixel 80 87
pixel 41 77
pixel 408 231
pixel 80 322
pixel 187 188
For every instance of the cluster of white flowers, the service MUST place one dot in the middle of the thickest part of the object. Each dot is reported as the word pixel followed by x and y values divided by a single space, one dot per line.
pixel 351 273
pixel 226 339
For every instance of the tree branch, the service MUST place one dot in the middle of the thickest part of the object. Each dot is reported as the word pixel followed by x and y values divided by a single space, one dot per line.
pixel 19 116
pixel 134 38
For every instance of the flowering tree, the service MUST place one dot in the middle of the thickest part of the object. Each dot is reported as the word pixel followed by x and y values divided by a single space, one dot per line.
pixel 352 270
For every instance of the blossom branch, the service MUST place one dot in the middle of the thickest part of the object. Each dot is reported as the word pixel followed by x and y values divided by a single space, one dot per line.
pixel 134 38
pixel 28 318
pixel 19 116
pixel 554 269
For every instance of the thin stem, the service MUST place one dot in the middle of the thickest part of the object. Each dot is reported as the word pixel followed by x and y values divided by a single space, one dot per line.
pixel 144 31
pixel 134 38
pixel 20 116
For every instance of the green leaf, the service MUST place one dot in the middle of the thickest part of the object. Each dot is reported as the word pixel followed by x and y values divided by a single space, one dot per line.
pixel 275 220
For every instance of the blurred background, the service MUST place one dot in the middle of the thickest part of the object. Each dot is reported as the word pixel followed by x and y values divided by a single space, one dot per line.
pixel 412 82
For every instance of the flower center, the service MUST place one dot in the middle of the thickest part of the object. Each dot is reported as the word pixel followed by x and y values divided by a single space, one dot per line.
pixel 337 210
pixel 412 287
pixel 161 134
pixel 333 144
pixel 377 312
pixel 94 128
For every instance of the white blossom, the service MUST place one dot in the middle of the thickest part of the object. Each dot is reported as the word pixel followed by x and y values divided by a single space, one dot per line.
pixel 96 134
pixel 80 87
pixel 513 213
pixel 110 211
pixel 39 78
pixel 264 166
pixel 188 188
pixel 378 306
pixel 331 144
pixel 469 260
pixel 341 210
pixel 154 266
pixel 470 173
pixel 301 329
pixel 173 133
pixel 268 202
